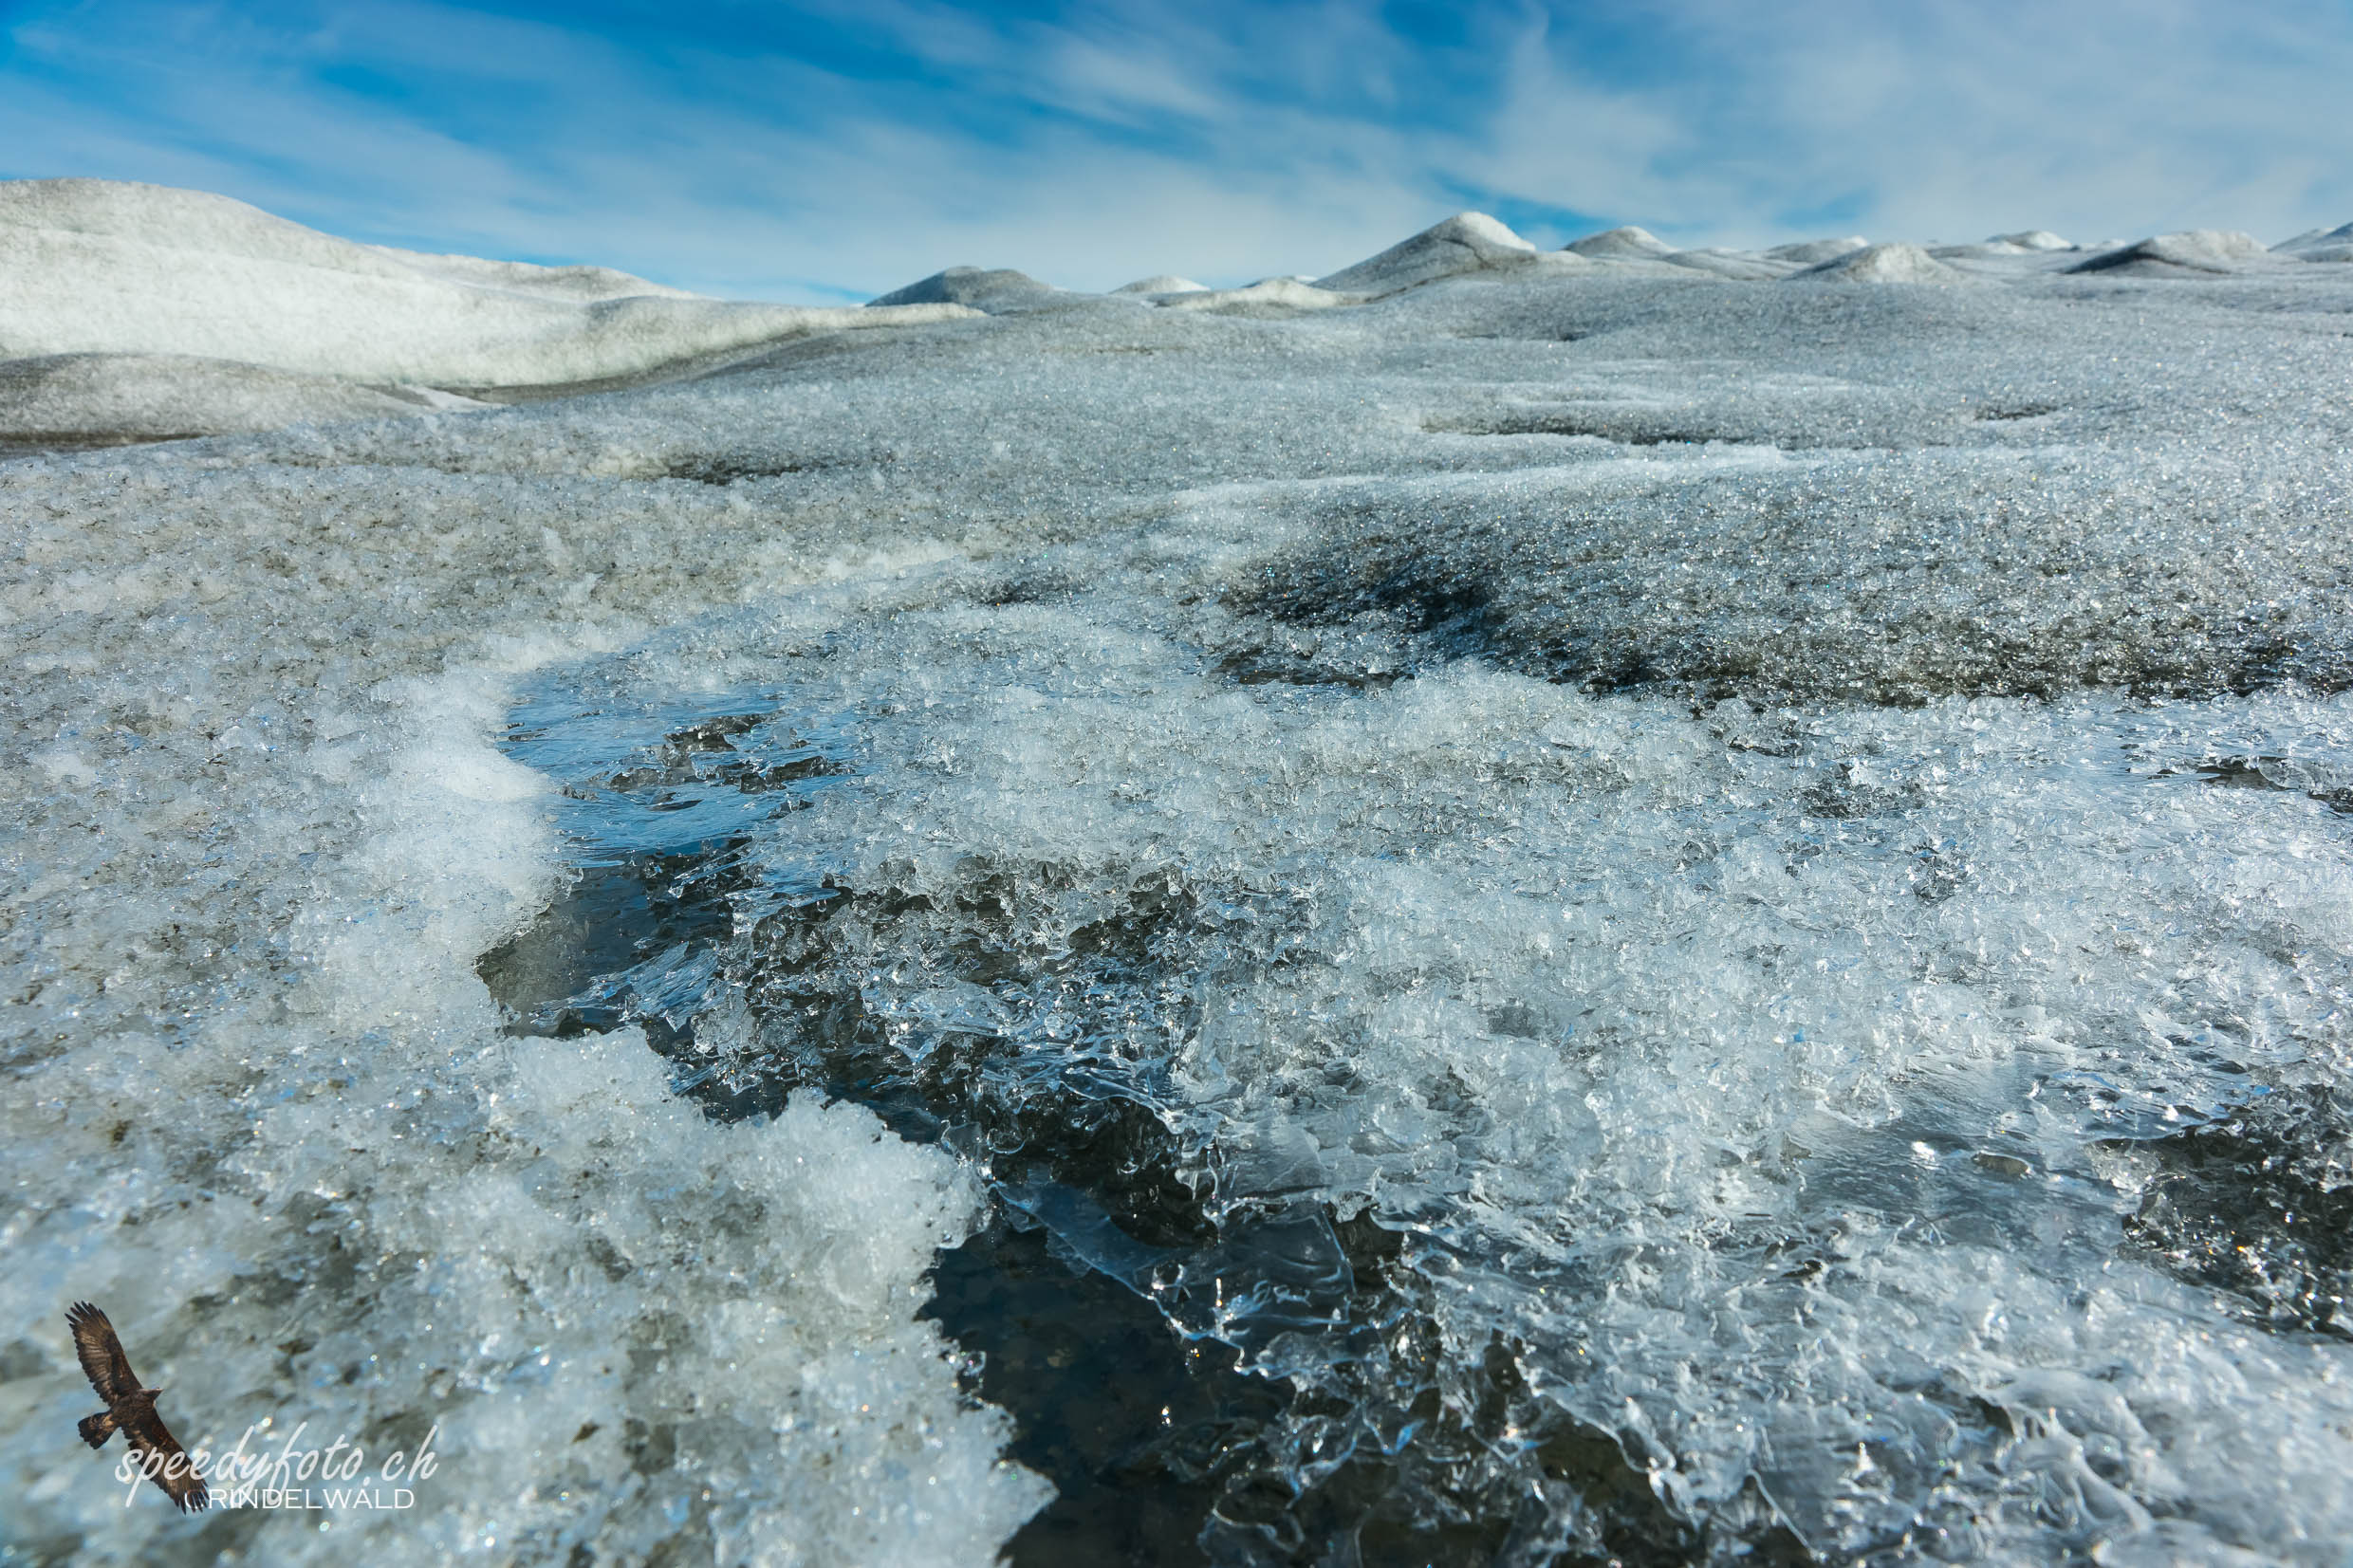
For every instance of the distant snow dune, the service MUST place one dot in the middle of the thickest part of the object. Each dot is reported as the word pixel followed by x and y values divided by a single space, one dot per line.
pixel 95 268
pixel 143 312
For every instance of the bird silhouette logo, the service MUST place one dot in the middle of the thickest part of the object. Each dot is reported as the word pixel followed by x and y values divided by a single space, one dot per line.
pixel 131 1411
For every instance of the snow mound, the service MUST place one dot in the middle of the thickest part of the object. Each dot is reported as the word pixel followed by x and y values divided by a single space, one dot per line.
pixel 96 399
pixel 98 266
pixel 1813 252
pixel 1883 264
pixel 1624 244
pixel 189 221
pixel 2031 239
pixel 2342 235
pixel 2320 244
pixel 1468 241
pixel 1267 297
pixel 983 288
pixel 1163 283
pixel 2212 251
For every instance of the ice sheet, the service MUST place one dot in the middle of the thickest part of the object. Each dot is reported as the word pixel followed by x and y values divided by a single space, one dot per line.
pixel 1737 826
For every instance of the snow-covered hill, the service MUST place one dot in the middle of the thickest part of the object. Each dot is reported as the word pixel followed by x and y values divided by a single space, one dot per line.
pixel 100 268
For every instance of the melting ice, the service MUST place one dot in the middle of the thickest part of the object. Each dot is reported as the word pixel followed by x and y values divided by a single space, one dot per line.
pixel 1775 1087
pixel 1697 915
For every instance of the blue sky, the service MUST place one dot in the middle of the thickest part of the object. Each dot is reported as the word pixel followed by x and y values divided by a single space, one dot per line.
pixel 831 150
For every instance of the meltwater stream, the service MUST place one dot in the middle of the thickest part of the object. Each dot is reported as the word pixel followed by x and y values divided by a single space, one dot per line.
pixel 1164 1447
pixel 1436 1115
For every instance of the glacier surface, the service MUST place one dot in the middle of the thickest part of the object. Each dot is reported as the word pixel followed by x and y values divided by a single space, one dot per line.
pixel 1705 912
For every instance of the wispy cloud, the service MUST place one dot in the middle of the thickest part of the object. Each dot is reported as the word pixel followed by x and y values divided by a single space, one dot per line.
pixel 834 148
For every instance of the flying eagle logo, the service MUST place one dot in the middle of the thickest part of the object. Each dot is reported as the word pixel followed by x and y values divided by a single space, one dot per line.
pixel 131 1411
